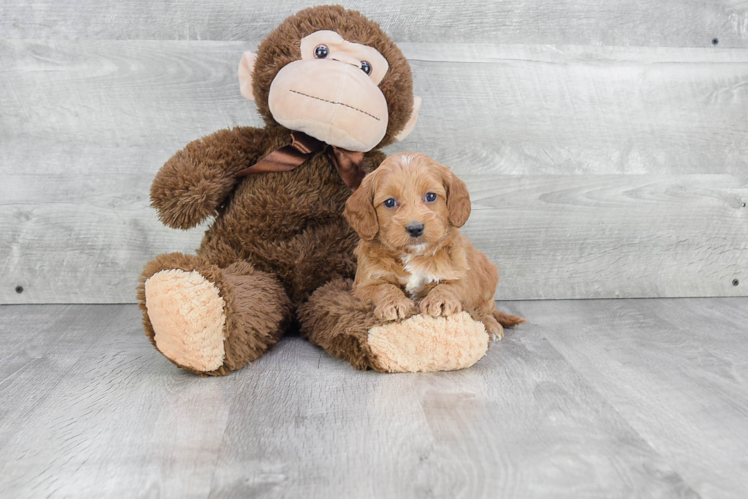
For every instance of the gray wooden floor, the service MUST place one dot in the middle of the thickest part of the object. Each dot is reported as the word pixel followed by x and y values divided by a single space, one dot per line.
pixel 615 398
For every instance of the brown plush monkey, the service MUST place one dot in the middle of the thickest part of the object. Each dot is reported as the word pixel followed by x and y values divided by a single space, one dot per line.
pixel 277 235
pixel 333 89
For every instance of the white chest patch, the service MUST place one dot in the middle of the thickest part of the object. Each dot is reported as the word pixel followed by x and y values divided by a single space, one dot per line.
pixel 418 279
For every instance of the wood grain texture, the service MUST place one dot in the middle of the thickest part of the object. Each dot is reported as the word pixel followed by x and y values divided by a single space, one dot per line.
pixel 81 405
pixel 29 370
pixel 679 23
pixel 625 398
pixel 551 236
pixel 87 123
pixel 512 110
pixel 521 424
pixel 582 110
pixel 675 370
pixel 615 236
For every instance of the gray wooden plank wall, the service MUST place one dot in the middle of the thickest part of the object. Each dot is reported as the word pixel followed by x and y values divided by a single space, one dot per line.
pixel 605 143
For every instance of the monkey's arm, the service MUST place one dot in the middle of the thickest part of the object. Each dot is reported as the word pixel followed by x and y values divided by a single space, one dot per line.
pixel 196 180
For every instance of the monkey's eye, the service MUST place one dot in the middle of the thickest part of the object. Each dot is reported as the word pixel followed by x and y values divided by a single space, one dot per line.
pixel 321 51
pixel 366 67
pixel 430 197
pixel 390 202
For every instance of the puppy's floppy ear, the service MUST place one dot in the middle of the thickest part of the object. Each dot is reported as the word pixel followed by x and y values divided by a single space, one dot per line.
pixel 360 212
pixel 458 199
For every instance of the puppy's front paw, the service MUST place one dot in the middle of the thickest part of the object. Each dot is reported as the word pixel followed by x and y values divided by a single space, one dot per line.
pixel 400 308
pixel 440 303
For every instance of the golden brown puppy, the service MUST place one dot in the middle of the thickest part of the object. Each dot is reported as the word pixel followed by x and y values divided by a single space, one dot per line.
pixel 412 257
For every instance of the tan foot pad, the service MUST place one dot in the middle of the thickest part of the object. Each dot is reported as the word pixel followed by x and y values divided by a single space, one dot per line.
pixel 426 344
pixel 187 314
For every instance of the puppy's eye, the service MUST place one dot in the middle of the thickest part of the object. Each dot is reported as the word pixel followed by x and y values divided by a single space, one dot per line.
pixel 390 202
pixel 430 197
pixel 321 51
pixel 366 67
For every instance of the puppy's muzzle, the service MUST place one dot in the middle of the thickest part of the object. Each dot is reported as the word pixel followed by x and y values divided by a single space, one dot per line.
pixel 414 229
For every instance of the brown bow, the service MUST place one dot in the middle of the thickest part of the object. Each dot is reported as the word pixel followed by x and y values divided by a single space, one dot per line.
pixel 348 163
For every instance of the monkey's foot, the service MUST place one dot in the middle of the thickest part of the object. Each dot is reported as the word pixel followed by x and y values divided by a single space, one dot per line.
pixel 346 327
pixel 188 318
pixel 427 344
pixel 207 319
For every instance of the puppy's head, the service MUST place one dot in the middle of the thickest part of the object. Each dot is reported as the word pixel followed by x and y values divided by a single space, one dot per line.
pixel 408 203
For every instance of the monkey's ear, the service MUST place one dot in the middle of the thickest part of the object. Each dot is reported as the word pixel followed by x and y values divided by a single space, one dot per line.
pixel 246 68
pixel 458 200
pixel 360 212
pixel 412 121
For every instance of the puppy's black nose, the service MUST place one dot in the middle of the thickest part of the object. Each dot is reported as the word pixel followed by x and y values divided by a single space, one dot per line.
pixel 415 229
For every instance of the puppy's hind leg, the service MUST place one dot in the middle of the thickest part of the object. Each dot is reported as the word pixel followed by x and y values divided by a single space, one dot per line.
pixel 493 328
pixel 496 321
pixel 507 320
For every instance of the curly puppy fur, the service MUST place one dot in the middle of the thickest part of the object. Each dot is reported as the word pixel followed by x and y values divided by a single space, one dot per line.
pixel 412 257
pixel 285 226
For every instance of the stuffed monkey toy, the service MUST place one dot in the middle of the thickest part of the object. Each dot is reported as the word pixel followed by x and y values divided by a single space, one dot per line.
pixel 332 89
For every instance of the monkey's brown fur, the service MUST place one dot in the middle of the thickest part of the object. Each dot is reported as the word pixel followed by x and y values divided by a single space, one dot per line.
pixel 276 237
pixel 263 322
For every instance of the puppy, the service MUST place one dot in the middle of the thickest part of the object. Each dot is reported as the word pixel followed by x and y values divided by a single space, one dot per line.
pixel 412 257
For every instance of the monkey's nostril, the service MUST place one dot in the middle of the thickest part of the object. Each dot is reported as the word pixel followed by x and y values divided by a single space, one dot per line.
pixel 415 229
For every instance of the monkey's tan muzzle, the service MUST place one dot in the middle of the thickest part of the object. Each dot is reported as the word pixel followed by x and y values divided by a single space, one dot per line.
pixel 333 101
